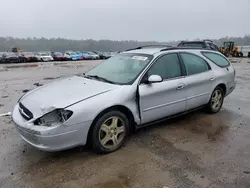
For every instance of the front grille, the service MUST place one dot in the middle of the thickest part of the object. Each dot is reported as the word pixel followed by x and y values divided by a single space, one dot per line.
pixel 26 114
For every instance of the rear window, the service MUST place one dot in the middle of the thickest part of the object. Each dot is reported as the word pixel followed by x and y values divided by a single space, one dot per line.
pixel 217 59
pixel 192 44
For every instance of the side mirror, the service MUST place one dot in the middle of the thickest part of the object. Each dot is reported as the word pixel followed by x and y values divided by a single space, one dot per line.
pixel 155 79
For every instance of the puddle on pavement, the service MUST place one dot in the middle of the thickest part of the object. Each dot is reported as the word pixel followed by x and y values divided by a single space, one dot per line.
pixel 121 181
pixel 202 123
pixel 199 122
pixel 109 184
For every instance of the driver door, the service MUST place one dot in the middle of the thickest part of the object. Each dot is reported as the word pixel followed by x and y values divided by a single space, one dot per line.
pixel 159 100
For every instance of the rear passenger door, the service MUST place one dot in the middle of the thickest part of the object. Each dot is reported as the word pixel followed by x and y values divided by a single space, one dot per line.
pixel 199 79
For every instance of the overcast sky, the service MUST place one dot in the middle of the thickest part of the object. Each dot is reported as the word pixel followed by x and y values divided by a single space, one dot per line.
pixel 144 20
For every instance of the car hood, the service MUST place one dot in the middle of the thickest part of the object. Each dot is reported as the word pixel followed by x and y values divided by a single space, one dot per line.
pixel 63 93
pixel 46 56
pixel 12 56
pixel 28 56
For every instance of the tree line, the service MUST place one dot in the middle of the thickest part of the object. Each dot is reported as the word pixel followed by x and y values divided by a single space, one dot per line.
pixel 61 44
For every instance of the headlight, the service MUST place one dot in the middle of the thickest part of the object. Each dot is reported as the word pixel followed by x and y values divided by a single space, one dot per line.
pixel 54 118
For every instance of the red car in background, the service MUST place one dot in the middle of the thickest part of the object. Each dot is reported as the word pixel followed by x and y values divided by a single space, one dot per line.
pixel 58 56
pixel 27 57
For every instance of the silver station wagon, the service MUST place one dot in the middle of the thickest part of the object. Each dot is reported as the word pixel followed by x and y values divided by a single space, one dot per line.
pixel 130 90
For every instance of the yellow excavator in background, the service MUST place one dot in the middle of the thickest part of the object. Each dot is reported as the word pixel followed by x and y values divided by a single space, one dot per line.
pixel 229 49
pixel 16 50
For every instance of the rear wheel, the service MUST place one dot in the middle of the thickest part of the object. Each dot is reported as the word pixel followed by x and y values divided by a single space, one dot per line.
pixel 216 100
pixel 110 132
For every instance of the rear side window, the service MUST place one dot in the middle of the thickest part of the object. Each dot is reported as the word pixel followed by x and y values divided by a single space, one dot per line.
pixel 194 64
pixel 217 59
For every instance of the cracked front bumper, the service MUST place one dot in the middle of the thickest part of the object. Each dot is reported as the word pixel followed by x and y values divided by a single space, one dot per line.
pixel 56 138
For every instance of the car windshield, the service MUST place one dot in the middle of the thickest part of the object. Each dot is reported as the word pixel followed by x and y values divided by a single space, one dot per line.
pixel 121 69
pixel 10 54
pixel 58 54
pixel 43 54
pixel 72 53
pixel 28 53
pixel 91 53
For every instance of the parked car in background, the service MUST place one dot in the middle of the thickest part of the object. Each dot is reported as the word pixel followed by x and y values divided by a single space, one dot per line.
pixel 106 55
pixel 73 55
pixel 27 57
pixel 92 55
pixel 113 54
pixel 85 56
pixel 1 57
pixel 101 54
pixel 126 92
pixel 206 44
pixel 10 57
pixel 44 56
pixel 58 56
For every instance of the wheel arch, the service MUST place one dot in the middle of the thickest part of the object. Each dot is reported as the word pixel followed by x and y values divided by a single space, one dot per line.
pixel 223 87
pixel 121 108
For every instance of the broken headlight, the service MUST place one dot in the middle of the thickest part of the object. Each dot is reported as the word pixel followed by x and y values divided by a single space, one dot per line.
pixel 54 118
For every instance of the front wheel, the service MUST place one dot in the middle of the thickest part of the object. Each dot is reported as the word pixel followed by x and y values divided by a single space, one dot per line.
pixel 110 132
pixel 216 100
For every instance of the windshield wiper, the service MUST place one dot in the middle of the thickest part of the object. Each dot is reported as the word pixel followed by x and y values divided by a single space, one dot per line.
pixel 99 78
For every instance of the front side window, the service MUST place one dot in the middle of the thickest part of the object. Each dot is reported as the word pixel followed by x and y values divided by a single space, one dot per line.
pixel 121 69
pixel 194 64
pixel 167 67
pixel 217 59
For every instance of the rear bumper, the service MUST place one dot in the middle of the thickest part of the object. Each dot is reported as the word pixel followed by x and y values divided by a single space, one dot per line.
pixel 52 139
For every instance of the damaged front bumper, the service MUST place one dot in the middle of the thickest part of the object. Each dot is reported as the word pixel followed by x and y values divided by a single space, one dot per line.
pixel 56 138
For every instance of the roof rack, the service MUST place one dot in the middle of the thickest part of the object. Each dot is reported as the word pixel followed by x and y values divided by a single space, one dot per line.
pixel 205 40
pixel 183 48
pixel 208 40
pixel 150 46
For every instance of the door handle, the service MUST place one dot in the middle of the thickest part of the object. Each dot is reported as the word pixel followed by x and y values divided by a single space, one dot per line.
pixel 211 79
pixel 181 86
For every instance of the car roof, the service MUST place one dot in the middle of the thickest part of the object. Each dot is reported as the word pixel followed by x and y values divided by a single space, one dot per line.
pixel 157 51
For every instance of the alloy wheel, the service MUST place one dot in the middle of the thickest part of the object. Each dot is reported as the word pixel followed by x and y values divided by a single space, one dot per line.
pixel 112 132
pixel 217 99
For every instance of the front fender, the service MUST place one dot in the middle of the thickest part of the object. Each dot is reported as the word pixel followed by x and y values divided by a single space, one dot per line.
pixel 89 109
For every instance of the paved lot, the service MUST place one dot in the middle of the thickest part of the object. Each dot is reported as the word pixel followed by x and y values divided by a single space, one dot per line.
pixel 197 150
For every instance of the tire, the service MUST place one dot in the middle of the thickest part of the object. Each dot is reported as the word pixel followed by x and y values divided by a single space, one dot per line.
pixel 212 108
pixel 226 54
pixel 102 136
